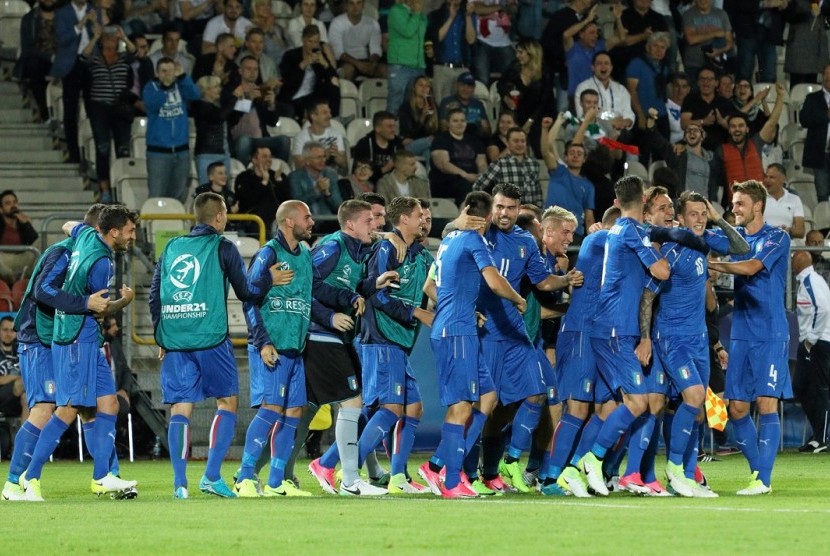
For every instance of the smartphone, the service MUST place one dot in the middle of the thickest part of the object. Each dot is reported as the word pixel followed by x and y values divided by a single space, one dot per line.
pixel 111 29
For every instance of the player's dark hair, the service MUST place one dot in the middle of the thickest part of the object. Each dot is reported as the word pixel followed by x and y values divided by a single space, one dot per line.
pixel 537 212
pixel 611 215
pixel 400 206
pixel 350 209
pixel 115 217
pixel 206 206
pixel 373 198
pixel 508 190
pixel 479 203
pixel 755 189
pixel 93 213
pixel 424 203
pixel 689 197
pixel 525 220
pixel 629 190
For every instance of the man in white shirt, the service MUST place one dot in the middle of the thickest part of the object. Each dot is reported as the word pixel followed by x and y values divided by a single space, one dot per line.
pixel 679 88
pixel 230 22
pixel 402 181
pixel 493 48
pixel 319 130
pixel 784 209
pixel 355 40
pixel 170 49
pixel 613 96
pixel 812 373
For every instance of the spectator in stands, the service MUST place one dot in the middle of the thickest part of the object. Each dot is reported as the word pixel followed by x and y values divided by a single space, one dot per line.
pixel 38 44
pixel 276 42
pixel 707 109
pixel 309 74
pixel 525 89
pixel 402 181
pixel 379 145
pixel 646 79
pixel 741 154
pixel 110 107
pixel 259 190
pixel 463 99
pixel 114 351
pixel 255 46
pixel 145 16
pixel 15 229
pixel 815 238
pixel 211 127
pixel 170 49
pixel 193 16
pixel 697 167
pixel 254 108
pixel 726 86
pixel 640 22
pixel 359 181
pixel 580 50
pixel 708 34
pixel 418 117
pixel 759 28
pixel 497 145
pixel 567 188
pixel 217 182
pixel 597 168
pixel 221 62
pixel 679 88
pixel 453 34
pixel 564 24
pixel 12 392
pixel 613 96
pixel 308 13
pixel 493 49
pixel 815 116
pixel 320 130
pixel 753 106
pixel 142 70
pixel 783 209
pixel 405 54
pixel 230 21
pixel 355 40
pixel 457 159
pixel 314 183
pixel 588 99
pixel 516 168
pixel 168 154
pixel 806 53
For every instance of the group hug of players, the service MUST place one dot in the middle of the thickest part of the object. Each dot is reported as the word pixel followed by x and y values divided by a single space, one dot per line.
pixel 337 324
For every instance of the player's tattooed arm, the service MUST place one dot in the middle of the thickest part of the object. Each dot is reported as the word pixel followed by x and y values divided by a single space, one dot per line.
pixel 737 244
pixel 643 349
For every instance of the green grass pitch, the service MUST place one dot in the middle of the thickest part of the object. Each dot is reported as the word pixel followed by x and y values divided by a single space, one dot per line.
pixel 793 519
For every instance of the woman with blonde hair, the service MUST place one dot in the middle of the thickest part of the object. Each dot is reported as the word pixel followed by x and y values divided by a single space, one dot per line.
pixel 211 127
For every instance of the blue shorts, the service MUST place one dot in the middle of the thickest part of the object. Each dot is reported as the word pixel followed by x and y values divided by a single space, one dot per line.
pixel 387 376
pixel 685 360
pixel 36 370
pixel 756 369
pixel 463 375
pixel 515 368
pixel 82 374
pixel 576 369
pixel 282 385
pixel 618 364
pixel 192 376
pixel 655 374
pixel 549 375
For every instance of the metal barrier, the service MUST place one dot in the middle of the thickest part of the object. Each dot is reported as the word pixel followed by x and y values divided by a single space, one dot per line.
pixel 44 226
pixel 150 341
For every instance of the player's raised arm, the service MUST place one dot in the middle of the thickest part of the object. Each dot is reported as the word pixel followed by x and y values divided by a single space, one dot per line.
pixel 502 288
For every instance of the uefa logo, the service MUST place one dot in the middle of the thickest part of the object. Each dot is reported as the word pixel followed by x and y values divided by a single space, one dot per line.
pixel 185 270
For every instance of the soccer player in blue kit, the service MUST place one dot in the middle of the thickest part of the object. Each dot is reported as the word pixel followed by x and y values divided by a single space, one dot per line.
pixel 758 369
pixel 463 259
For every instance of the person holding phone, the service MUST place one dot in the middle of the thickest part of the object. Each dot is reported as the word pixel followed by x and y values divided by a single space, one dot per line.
pixel 309 74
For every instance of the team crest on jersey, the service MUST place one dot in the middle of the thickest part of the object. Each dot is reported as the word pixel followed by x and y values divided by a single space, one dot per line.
pixel 586 386
pixel 551 392
pixel 49 386
pixel 185 271
pixel 685 373
pixel 353 383
pixel 661 378
pixel 522 252
pixel 398 389
pixel 637 378
pixel 473 387
pixel 282 390
pixel 285 266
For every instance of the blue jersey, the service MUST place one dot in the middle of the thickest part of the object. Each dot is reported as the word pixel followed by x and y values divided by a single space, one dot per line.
pixel 516 255
pixel 461 257
pixel 628 253
pixel 759 312
pixel 681 310
pixel 584 299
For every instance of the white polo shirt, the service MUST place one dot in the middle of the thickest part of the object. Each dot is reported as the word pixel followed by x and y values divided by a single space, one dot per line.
pixel 780 212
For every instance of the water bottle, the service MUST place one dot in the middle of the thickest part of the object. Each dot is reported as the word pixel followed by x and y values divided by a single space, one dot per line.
pixel 157 448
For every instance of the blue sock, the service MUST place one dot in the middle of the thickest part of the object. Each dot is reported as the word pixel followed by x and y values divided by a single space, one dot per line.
pixel 472 447
pixel 524 423
pixel 471 461
pixel 24 444
pixel 492 449
pixel 535 458
pixel 114 464
pixel 747 439
pixel 46 444
pixel 452 436
pixel 404 440
pixel 103 435
pixel 668 423
pixel 221 436
pixel 331 458
pixel 682 429
pixel 88 430
pixel 255 440
pixel 769 437
pixel 690 457
pixel 650 456
pixel 638 442
pixel 564 438
pixel 375 431
pixel 282 444
pixel 617 423
pixel 613 458
pixel 178 439
pixel 473 429
pixel 587 438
